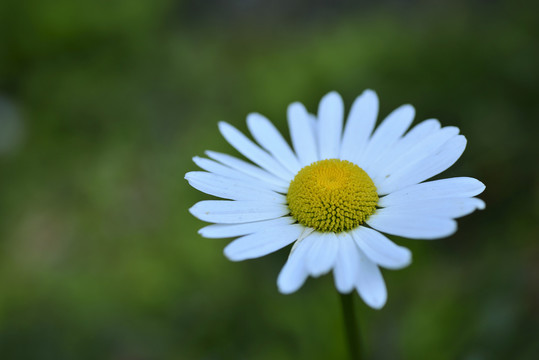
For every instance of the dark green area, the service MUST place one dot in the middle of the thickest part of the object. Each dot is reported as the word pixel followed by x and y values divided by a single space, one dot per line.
pixel 103 104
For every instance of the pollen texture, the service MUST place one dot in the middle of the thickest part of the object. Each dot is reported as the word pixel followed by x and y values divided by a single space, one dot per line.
pixel 332 196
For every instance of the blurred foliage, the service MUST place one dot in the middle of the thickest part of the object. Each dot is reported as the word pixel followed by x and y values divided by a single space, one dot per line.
pixel 103 104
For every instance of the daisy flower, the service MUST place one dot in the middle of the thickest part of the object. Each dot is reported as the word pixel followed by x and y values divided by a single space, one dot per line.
pixel 335 193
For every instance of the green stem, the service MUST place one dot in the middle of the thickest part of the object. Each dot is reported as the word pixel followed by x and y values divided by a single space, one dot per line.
pixel 351 326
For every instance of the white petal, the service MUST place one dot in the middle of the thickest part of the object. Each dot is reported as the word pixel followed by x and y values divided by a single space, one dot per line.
pixel 422 150
pixel 302 134
pixel 380 249
pixel 370 283
pixel 422 170
pixel 411 226
pixel 248 169
pixel 294 272
pixel 216 168
pixel 330 117
pixel 305 233
pixel 219 169
pixel 262 243
pixel 359 125
pixel 417 134
pixel 313 121
pixel 444 208
pixel 269 137
pixel 346 267
pixel 386 135
pixel 444 188
pixel 217 231
pixel 251 151
pixel 235 212
pixel 322 254
pixel 233 189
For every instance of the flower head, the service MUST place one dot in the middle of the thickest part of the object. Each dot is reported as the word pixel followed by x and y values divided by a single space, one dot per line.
pixel 337 193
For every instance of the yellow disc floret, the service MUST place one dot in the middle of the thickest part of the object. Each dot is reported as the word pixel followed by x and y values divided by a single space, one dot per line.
pixel 332 196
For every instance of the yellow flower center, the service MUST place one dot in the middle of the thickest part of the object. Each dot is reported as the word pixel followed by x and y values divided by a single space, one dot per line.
pixel 332 196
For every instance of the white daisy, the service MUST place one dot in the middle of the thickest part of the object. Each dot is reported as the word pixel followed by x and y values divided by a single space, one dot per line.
pixel 336 193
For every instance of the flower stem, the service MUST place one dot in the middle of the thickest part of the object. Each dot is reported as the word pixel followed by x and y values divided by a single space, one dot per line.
pixel 351 326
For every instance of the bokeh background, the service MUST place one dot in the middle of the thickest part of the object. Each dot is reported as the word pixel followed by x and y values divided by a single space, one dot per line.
pixel 104 103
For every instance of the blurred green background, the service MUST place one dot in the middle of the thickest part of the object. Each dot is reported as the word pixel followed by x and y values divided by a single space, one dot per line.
pixel 103 104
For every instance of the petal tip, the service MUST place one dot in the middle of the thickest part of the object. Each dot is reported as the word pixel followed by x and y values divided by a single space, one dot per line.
pixel 370 95
pixel 374 302
pixel 331 96
pixel 230 255
pixel 345 290
pixel 378 306
pixel 295 108
pixel 287 288
pixel 409 108
pixel 333 93
pixel 285 291
pixel 408 261
pixel 254 118
pixel 369 92
pixel 481 204
pixel 452 230
pixel 482 187
pixel 224 127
